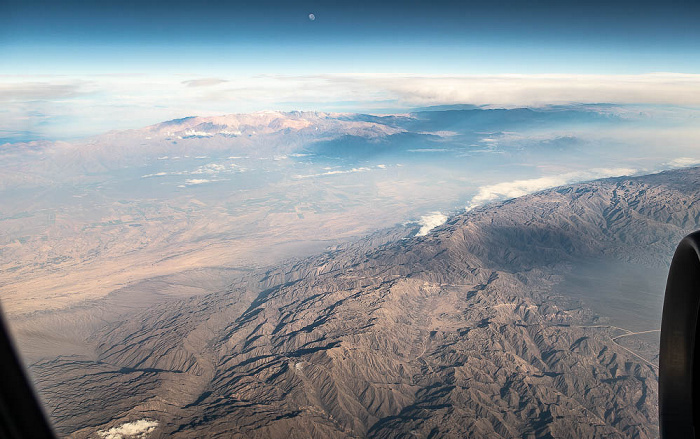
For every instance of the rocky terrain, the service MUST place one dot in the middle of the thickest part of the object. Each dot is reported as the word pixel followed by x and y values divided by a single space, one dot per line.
pixel 80 220
pixel 473 330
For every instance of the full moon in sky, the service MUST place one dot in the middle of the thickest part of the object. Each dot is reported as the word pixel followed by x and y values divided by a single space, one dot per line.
pixel 312 17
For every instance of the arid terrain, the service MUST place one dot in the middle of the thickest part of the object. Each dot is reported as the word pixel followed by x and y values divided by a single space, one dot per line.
pixel 482 328
pixel 81 220
pixel 321 275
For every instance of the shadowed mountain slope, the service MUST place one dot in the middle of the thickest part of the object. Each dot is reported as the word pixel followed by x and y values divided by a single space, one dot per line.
pixel 465 332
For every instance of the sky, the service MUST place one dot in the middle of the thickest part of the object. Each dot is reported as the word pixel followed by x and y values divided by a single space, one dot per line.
pixel 416 36
pixel 77 67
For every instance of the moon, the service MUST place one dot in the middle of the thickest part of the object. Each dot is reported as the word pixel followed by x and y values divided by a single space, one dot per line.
pixel 312 17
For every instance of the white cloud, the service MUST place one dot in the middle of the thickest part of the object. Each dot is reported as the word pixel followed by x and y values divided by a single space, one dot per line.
pixel 323 174
pixel 533 90
pixel 683 162
pixel 44 90
pixel 428 150
pixel 440 133
pixel 211 169
pixel 137 430
pixel 518 188
pixel 194 181
pixel 203 82
pixel 429 222
pixel 157 174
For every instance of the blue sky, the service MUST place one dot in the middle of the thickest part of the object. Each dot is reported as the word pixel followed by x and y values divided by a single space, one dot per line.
pixel 423 36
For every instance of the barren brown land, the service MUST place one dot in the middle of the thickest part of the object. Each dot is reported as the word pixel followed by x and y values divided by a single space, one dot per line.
pixel 261 276
pixel 479 329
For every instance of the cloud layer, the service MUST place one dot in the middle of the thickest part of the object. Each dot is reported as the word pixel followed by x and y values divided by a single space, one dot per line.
pixel 430 221
pixel 137 430
pixel 204 82
pixel 535 90
pixel 518 188
pixel 83 105
pixel 682 162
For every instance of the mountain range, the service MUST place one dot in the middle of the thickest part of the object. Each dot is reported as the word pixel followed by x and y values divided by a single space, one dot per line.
pixel 524 318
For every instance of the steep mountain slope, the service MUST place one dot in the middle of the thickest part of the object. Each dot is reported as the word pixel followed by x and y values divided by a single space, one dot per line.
pixel 466 332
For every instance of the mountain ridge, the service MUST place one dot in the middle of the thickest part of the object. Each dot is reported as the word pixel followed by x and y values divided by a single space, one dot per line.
pixel 460 333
